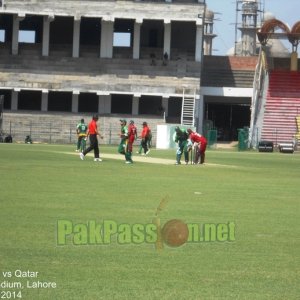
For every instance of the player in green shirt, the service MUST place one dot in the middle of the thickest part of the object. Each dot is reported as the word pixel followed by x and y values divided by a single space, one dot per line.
pixel 81 131
pixel 181 138
pixel 123 146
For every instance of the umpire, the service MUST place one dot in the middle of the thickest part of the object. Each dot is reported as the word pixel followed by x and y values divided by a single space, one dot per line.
pixel 94 145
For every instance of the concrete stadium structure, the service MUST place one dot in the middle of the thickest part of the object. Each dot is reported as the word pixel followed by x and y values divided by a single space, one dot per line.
pixel 141 60
pixel 74 67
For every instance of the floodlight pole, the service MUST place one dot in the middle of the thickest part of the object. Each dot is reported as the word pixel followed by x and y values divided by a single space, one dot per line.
pixel 201 68
pixel 202 42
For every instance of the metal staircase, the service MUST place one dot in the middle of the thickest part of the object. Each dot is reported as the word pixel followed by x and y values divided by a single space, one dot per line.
pixel 188 109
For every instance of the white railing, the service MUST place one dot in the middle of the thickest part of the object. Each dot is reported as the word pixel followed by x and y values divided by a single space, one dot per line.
pixel 260 83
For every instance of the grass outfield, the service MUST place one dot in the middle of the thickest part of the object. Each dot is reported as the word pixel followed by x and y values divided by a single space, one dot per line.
pixel 42 185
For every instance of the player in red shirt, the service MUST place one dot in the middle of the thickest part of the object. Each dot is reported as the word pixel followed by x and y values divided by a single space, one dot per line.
pixel 145 138
pixel 132 135
pixel 200 143
pixel 94 145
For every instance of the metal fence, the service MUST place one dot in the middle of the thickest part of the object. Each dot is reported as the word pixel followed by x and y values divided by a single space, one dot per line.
pixel 47 132
pixel 61 131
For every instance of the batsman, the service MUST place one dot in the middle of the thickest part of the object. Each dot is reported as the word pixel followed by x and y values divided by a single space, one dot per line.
pixel 181 138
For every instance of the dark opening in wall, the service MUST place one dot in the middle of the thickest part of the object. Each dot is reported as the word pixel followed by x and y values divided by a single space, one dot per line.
pixel 152 34
pixel 88 102
pixel 150 105
pixel 6 23
pixel 228 118
pixel 61 36
pixel 121 104
pixel 61 30
pixel 174 109
pixel 183 39
pixel 60 101
pixel 7 98
pixel 90 31
pixel 126 27
pixel 29 100
pixel 32 24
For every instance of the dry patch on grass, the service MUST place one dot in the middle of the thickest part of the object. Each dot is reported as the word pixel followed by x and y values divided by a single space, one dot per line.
pixel 148 159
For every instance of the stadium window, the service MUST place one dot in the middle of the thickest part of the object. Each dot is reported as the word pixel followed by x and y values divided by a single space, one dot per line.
pixel 27 36
pixel 2 36
pixel 122 39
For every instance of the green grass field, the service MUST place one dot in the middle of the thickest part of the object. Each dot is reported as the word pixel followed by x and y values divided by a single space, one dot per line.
pixel 44 184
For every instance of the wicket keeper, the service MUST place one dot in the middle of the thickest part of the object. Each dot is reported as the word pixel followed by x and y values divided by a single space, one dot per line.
pixel 200 144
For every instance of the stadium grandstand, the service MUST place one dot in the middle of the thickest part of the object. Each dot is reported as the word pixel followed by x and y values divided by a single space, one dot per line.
pixel 136 60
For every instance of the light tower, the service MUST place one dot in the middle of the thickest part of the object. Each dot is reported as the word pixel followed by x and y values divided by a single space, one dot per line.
pixel 208 32
pixel 249 12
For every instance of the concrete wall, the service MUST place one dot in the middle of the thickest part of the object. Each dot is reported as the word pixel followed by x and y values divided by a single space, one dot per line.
pixel 109 10
pixel 230 62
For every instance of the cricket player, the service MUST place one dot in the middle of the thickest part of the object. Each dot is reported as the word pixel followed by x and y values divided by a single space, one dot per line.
pixel 181 138
pixel 149 144
pixel 93 132
pixel 132 135
pixel 123 146
pixel 145 138
pixel 81 131
pixel 200 144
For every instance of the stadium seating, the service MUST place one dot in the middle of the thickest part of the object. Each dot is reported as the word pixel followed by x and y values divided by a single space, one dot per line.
pixel 282 106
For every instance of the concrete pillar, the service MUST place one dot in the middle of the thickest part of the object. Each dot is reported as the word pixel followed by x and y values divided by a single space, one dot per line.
pixel 199 37
pixel 76 37
pixel 137 39
pixel 101 104
pixel 44 100
pixel 248 41
pixel 15 34
pixel 165 105
pixel 104 106
pixel 167 37
pixel 46 34
pixel 135 105
pixel 207 45
pixel 199 113
pixel 75 101
pixel 294 61
pixel 14 99
pixel 107 31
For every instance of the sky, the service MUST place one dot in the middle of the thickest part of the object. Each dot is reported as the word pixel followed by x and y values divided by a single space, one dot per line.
pixel 287 11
